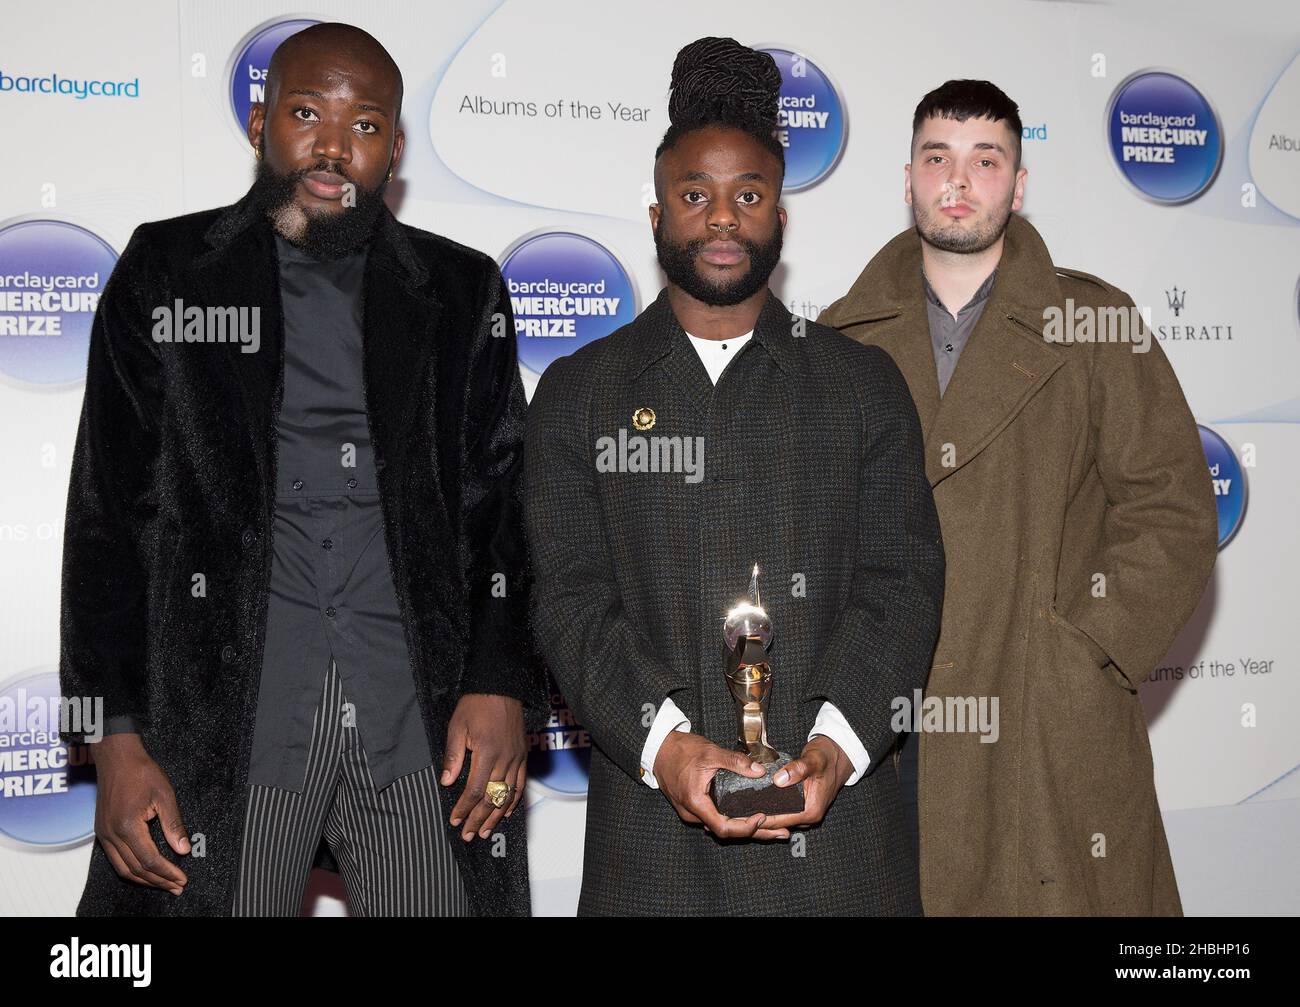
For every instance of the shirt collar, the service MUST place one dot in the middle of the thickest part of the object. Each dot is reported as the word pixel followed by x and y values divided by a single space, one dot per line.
pixel 979 296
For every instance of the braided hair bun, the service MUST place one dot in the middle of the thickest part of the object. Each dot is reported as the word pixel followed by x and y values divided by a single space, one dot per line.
pixel 719 82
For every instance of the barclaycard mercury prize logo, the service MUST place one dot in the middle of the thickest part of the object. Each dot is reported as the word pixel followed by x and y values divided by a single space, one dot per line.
pixel 51 276
pixel 1164 136
pixel 251 59
pixel 1229 481
pixel 811 123
pixel 559 754
pixel 47 787
pixel 566 291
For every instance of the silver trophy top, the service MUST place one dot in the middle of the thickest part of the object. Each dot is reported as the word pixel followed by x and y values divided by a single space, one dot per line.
pixel 748 619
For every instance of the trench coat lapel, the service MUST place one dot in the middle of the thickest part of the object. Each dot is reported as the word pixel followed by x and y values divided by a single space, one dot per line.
pixel 1004 364
pixel 1006 360
pixel 889 296
pixel 399 317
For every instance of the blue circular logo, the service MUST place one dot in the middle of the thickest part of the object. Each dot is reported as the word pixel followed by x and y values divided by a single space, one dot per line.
pixel 811 123
pixel 47 788
pixel 1229 483
pixel 1164 136
pixel 565 292
pixel 51 276
pixel 248 71
pixel 559 755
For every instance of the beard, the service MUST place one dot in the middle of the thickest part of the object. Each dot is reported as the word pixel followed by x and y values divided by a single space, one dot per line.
pixel 321 233
pixel 678 263
pixel 951 236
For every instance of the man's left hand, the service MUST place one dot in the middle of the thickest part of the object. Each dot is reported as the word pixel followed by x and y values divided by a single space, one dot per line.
pixel 491 729
pixel 823 767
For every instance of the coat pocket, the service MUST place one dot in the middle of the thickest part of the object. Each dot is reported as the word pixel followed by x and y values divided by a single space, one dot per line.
pixel 1085 647
pixel 1098 655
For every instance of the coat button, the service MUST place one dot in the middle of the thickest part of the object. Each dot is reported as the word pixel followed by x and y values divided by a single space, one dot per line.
pixel 248 537
pixel 327 544
pixel 330 612
pixel 297 484
pixel 352 482
pixel 227 654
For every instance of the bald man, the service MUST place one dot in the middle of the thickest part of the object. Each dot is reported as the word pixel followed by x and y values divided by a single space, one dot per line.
pixel 294 568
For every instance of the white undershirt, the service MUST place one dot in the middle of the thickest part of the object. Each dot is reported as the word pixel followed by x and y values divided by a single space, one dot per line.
pixel 717 353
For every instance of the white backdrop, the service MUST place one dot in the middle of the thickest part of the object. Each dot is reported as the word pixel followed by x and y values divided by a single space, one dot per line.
pixel 529 117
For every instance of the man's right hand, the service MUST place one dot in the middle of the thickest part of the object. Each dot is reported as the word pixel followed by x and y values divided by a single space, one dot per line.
pixel 132 790
pixel 684 768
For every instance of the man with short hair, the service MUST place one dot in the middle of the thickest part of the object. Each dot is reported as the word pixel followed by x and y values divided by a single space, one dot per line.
pixel 1079 525
pixel 295 567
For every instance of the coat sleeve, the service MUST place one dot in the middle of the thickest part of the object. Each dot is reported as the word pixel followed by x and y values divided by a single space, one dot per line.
pixel 112 493
pixel 882 643
pixel 501 659
pixel 606 668
pixel 1157 538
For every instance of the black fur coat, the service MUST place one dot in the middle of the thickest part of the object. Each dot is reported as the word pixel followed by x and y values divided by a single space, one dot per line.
pixel 160 490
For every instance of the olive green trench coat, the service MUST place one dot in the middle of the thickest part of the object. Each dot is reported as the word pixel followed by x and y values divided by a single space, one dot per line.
pixel 1079 524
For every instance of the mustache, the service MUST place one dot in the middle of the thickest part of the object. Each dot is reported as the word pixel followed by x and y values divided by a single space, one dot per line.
pixel 330 167
pixel 696 245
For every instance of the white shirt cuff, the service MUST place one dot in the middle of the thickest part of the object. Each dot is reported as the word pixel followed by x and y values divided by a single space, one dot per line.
pixel 831 723
pixel 668 719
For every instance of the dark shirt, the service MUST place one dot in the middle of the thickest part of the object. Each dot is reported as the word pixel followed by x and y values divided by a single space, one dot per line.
pixel 948 334
pixel 332 593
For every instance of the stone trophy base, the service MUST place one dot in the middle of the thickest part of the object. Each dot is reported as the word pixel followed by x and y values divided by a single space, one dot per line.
pixel 739 796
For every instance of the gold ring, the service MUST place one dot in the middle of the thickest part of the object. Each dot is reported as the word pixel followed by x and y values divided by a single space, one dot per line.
pixel 498 792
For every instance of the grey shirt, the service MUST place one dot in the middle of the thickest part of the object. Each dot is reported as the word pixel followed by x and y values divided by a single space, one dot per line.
pixel 948 334
pixel 332 595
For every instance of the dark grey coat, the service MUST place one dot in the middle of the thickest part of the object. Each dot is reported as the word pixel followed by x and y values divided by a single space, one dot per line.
pixel 174 473
pixel 814 470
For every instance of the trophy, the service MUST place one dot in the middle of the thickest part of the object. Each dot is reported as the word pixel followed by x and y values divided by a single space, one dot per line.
pixel 747 633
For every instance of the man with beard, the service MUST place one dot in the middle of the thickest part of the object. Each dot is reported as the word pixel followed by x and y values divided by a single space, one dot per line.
pixel 297 575
pixel 1078 521
pixel 799 452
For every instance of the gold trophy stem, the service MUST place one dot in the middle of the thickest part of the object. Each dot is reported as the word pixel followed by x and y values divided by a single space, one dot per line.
pixel 753 731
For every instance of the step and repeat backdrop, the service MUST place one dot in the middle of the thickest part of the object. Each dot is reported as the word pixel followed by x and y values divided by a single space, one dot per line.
pixel 1163 148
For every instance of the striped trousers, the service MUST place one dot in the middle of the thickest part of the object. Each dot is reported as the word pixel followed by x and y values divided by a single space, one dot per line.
pixel 391 847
